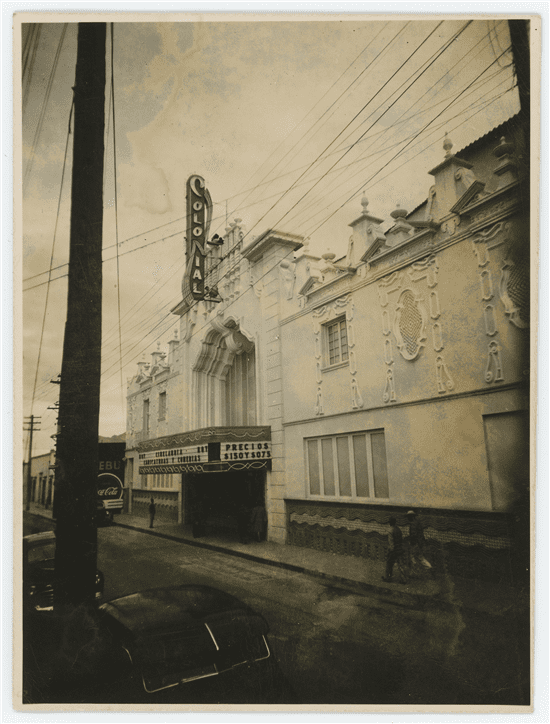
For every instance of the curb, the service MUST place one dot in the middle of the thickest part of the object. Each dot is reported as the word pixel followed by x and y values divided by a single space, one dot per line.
pixel 404 599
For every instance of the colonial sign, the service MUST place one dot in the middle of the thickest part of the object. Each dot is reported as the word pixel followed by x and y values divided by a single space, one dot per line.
pixel 199 216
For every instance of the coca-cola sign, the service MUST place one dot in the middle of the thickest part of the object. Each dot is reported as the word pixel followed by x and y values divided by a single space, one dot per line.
pixel 109 487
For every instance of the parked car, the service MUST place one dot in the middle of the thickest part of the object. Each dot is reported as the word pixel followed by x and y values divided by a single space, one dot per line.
pixel 38 572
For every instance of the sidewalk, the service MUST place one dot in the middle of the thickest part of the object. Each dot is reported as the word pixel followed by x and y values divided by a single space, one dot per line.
pixel 359 574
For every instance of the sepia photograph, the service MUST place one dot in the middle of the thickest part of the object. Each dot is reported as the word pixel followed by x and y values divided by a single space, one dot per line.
pixel 275 292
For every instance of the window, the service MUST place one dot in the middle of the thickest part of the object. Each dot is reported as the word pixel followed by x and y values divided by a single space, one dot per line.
pixel 146 415
pixel 336 342
pixel 159 481
pixel 348 466
pixel 240 388
pixel 162 405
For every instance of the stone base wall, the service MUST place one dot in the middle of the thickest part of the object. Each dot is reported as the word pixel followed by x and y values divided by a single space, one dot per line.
pixel 166 504
pixel 466 544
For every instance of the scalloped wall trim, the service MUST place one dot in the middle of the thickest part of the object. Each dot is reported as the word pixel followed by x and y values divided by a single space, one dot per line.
pixel 440 536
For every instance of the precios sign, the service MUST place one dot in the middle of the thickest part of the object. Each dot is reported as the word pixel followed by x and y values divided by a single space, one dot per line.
pixel 199 216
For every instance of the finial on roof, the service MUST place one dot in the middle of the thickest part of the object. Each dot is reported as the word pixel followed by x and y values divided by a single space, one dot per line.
pixel 399 213
pixel 504 148
pixel 175 333
pixel 447 145
pixel 364 203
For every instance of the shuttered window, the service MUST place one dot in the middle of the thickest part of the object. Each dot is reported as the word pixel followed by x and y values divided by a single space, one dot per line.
pixel 348 466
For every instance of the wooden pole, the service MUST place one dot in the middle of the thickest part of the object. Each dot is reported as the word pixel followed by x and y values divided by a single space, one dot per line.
pixel 77 441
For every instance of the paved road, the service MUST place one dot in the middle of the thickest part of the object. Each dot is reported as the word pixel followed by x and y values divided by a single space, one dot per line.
pixel 335 646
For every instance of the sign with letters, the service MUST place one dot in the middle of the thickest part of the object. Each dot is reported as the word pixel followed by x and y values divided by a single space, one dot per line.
pixel 199 216
pixel 208 457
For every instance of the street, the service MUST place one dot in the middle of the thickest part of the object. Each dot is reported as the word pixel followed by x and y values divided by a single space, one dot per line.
pixel 336 646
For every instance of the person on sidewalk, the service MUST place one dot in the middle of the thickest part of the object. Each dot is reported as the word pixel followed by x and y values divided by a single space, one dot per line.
pixel 395 553
pixel 258 522
pixel 417 540
pixel 152 511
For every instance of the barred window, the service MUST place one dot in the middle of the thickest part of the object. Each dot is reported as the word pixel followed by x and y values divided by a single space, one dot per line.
pixel 336 334
pixel 160 481
pixel 348 466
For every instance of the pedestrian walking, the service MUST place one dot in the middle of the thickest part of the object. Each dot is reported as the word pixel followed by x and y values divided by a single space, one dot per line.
pixel 152 511
pixel 417 540
pixel 395 553
pixel 258 522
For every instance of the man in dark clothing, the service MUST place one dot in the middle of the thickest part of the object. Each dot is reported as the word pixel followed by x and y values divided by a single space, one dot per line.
pixel 416 539
pixel 152 511
pixel 395 552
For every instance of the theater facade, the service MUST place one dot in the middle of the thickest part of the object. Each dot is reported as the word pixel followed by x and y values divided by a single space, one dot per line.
pixel 339 391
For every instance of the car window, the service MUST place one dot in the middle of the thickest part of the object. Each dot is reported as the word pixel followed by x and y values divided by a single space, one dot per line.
pixel 44 552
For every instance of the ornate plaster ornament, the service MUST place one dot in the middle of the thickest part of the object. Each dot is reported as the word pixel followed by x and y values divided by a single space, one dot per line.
pixel 410 324
pixel 515 291
pixel 488 239
pixel 356 399
pixel 444 379
pixel 437 336
pixel 493 371
pixel 486 285
pixel 490 321
pixel 389 390
pixel 319 402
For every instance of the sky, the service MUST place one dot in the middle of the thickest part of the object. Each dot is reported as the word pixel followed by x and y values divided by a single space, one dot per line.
pixel 290 123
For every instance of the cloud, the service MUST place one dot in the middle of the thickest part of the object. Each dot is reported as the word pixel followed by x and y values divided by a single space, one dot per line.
pixel 145 187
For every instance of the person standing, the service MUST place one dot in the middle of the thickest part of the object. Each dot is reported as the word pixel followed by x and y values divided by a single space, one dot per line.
pixel 395 552
pixel 416 539
pixel 258 522
pixel 152 511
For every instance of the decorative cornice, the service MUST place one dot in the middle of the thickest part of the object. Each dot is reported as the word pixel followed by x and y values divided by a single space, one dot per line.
pixel 205 435
pixel 258 246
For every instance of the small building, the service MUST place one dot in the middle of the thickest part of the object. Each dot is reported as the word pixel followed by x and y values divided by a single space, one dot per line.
pixel 42 477
pixel 336 392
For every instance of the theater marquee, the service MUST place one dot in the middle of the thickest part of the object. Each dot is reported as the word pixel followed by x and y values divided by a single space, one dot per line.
pixel 216 450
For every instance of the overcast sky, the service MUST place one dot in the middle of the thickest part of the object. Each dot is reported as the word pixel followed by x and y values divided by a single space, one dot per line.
pixel 288 122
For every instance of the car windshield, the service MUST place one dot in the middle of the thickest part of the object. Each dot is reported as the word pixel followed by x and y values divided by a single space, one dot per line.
pixel 45 552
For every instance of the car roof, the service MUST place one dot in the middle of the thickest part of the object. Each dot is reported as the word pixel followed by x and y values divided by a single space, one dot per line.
pixel 173 607
pixel 37 539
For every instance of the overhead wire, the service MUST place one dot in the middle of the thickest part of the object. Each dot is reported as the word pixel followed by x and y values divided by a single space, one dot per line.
pixel 52 255
pixel 116 201
pixel 320 155
pixel 44 107
pixel 240 208
pixel 409 142
pixel 368 158
pixel 326 111
pixel 385 111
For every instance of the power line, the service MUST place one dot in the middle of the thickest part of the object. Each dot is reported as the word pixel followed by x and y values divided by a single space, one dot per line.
pixel 52 254
pixel 409 142
pixel 44 106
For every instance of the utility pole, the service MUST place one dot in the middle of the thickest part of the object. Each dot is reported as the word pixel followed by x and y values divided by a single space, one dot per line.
pixel 78 422
pixel 521 53
pixel 31 421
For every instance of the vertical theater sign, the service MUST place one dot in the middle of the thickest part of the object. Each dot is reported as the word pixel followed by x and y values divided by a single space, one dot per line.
pixel 199 216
